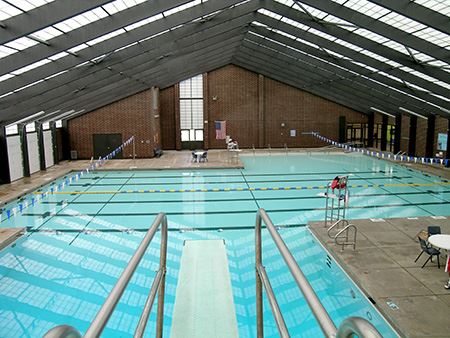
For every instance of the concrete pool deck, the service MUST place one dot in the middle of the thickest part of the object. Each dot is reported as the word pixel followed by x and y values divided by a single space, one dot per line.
pixel 411 298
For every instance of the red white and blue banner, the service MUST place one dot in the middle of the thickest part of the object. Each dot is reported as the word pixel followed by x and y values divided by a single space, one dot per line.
pixel 379 154
pixel 221 129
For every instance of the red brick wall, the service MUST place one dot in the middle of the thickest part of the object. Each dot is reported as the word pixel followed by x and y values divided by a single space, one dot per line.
pixel 253 106
pixel 239 100
pixel 303 112
pixel 129 116
pixel 236 93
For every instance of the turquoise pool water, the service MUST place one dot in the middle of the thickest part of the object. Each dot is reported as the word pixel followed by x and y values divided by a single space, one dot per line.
pixel 75 250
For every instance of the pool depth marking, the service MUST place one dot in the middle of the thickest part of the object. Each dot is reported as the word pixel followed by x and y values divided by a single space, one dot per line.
pixel 312 187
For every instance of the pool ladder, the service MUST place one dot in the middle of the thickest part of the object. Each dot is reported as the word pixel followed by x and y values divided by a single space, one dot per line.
pixel 348 328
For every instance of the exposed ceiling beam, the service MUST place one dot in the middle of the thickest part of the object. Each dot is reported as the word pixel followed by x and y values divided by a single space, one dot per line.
pixel 422 14
pixel 287 65
pixel 354 39
pixel 125 91
pixel 44 16
pixel 136 59
pixel 154 28
pixel 347 64
pixel 156 68
pixel 353 55
pixel 343 76
pixel 86 33
pixel 381 28
pixel 195 62
pixel 273 73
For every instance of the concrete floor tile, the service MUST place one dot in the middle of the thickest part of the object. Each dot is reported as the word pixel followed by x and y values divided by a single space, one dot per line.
pixel 420 316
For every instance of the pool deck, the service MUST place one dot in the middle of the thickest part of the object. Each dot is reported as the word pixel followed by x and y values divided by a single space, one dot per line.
pixel 383 267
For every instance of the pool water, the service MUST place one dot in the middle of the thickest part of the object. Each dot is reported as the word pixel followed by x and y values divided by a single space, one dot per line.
pixel 76 246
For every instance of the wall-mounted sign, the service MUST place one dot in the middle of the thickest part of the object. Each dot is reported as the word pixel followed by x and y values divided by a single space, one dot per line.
pixel 442 142
pixel 293 132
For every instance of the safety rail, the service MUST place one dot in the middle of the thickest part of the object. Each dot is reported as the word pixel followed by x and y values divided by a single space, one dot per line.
pixel 343 233
pixel 336 225
pixel 348 328
pixel 158 286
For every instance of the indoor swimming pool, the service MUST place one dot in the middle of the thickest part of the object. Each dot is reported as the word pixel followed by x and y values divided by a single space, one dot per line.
pixel 80 239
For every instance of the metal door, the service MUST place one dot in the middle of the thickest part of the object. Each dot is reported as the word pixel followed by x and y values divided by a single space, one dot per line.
pixel 105 143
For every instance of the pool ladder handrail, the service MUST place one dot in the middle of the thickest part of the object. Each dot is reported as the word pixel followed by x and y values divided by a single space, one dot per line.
pixel 158 286
pixel 343 233
pixel 349 327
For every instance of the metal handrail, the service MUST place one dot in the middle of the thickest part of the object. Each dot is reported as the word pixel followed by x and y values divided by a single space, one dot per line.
pixel 103 315
pixel 63 331
pixel 336 225
pixel 366 330
pixel 346 229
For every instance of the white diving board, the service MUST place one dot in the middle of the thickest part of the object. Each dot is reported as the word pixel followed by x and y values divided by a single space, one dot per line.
pixel 204 306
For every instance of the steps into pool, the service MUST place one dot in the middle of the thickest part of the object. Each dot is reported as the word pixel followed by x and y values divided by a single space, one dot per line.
pixel 204 305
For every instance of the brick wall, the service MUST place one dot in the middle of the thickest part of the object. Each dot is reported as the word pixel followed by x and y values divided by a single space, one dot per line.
pixel 235 93
pixel 253 105
pixel 287 108
pixel 258 110
pixel 129 116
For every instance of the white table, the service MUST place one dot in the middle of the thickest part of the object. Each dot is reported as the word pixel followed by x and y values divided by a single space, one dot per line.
pixel 440 241
pixel 198 155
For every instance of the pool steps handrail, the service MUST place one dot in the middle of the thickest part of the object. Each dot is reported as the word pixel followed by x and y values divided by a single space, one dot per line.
pixel 158 286
pixel 349 327
pixel 343 233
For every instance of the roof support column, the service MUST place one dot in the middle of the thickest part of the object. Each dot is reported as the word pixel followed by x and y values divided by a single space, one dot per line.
pixel 447 152
pixel 54 142
pixel 412 135
pixel 24 147
pixel 205 112
pixel 65 140
pixel 261 117
pixel 370 127
pixel 41 146
pixel 398 133
pixel 177 117
pixel 155 118
pixel 429 147
pixel 5 176
pixel 384 125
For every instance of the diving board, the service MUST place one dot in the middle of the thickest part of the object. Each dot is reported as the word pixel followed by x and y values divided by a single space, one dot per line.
pixel 204 306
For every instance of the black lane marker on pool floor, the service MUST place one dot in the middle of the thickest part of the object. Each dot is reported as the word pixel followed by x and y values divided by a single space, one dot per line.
pixel 417 205
pixel 104 205
pixel 236 182
pixel 251 211
pixel 248 175
pixel 244 227
pixel 251 192
pixel 259 198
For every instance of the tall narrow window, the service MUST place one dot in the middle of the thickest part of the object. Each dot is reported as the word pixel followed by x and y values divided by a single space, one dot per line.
pixel 191 109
